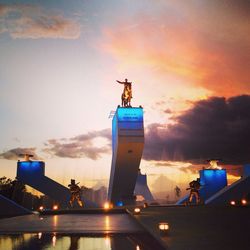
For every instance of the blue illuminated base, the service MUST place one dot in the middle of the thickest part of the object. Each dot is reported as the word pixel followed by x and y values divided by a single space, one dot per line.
pixel 212 181
pixel 129 114
pixel 127 148
pixel 36 168
pixel 246 170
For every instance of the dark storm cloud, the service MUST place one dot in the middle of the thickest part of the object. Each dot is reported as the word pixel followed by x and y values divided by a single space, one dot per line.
pixel 80 146
pixel 13 154
pixel 243 6
pixel 213 128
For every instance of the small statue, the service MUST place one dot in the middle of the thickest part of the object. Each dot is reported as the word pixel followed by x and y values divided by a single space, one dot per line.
pixel 214 164
pixel 75 191
pixel 194 187
pixel 127 93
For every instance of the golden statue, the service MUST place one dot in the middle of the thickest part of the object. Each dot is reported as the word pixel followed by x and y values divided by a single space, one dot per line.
pixel 127 93
pixel 75 193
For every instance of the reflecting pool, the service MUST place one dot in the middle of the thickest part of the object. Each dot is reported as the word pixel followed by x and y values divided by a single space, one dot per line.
pixel 39 241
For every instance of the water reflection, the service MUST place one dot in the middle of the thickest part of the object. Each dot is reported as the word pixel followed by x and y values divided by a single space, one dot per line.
pixel 54 240
pixel 107 240
pixel 42 241
pixel 107 223
pixel 40 235
pixel 55 220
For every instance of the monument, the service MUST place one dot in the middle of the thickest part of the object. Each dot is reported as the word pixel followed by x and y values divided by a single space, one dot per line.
pixel 127 148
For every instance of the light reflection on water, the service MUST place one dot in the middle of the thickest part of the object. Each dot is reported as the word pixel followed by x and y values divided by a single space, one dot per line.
pixel 42 241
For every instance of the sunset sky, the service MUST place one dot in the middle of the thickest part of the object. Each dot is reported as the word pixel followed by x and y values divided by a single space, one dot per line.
pixel 189 62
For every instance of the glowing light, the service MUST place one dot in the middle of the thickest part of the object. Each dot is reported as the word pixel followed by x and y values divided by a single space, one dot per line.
pixel 107 222
pixel 107 240
pixel 119 204
pixel 55 207
pixel 243 202
pixel 137 247
pixel 55 219
pixel 137 210
pixel 163 226
pixel 130 114
pixel 31 164
pixel 232 203
pixel 40 235
pixel 41 208
pixel 54 240
pixel 106 206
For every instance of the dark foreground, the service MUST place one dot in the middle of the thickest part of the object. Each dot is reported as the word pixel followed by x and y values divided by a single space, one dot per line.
pixel 191 228
pixel 47 241
pixel 88 231
pixel 200 228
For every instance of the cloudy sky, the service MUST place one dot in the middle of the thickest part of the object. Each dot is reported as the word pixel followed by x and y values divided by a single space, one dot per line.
pixel 189 63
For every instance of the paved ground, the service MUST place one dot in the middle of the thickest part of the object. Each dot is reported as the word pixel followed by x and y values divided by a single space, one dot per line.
pixel 200 228
pixel 71 223
pixel 191 228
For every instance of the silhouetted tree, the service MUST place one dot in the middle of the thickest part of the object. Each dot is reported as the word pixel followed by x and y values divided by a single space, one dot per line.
pixel 5 183
pixel 12 189
pixel 6 187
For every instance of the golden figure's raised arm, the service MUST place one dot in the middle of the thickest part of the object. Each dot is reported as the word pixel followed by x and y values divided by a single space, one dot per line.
pixel 125 82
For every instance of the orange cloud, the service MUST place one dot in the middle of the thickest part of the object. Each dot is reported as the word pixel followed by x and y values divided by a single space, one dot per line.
pixel 198 48
pixel 30 21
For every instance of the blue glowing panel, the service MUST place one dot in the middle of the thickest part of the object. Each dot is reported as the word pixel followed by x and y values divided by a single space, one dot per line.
pixel 31 164
pixel 114 132
pixel 129 114
pixel 213 176
pixel 246 170
pixel 36 167
pixel 130 118
pixel 212 180
pixel 119 204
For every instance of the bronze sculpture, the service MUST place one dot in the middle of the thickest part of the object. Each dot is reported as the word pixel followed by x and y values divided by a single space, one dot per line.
pixel 127 93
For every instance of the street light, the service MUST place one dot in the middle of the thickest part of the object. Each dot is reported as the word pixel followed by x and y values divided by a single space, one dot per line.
pixel 232 203
pixel 41 208
pixel 55 207
pixel 106 206
pixel 163 227
pixel 137 210
pixel 243 202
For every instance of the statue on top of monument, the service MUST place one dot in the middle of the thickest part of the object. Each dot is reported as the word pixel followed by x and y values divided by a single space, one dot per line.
pixel 127 93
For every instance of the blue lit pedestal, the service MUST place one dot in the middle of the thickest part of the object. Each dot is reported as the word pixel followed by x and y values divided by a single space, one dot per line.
pixel 246 170
pixel 212 181
pixel 34 168
pixel 127 148
pixel 32 173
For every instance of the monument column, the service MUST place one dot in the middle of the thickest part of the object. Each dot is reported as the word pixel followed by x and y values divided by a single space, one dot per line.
pixel 127 148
